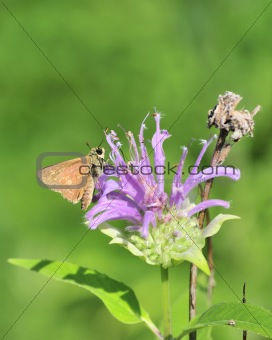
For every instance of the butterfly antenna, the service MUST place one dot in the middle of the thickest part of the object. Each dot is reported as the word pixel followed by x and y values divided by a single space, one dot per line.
pixel 101 142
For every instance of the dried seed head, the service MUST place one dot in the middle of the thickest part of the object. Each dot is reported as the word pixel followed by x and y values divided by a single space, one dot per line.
pixel 225 116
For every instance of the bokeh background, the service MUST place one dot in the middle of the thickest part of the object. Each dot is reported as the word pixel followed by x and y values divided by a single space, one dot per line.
pixel 61 60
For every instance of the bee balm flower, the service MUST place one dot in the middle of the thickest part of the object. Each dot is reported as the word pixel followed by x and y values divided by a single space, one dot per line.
pixel 162 228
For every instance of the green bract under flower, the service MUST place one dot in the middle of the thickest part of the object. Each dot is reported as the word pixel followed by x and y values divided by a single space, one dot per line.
pixel 169 244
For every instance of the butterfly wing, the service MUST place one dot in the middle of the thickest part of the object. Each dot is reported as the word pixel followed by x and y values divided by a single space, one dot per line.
pixel 71 179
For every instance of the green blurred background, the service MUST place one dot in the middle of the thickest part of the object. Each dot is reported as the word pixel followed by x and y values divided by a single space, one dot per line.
pixel 119 59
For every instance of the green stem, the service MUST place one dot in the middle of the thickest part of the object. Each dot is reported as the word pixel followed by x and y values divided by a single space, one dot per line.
pixel 166 304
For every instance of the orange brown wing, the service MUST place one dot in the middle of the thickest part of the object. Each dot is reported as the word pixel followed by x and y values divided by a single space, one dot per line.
pixel 70 178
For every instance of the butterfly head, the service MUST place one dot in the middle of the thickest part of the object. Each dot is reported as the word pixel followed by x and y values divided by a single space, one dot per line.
pixel 98 152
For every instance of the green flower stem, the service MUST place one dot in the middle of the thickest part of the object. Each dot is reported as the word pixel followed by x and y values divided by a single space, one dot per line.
pixel 166 304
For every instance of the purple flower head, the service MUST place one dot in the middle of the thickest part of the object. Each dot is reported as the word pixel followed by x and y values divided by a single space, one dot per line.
pixel 162 228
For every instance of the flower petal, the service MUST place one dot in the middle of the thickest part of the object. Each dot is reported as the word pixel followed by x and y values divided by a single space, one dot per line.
pixel 113 210
pixel 116 155
pixel 133 150
pixel 177 187
pixel 130 183
pixel 159 157
pixel 133 186
pixel 110 215
pixel 149 218
pixel 145 161
pixel 207 204
pixel 212 172
pixel 110 186
pixel 206 144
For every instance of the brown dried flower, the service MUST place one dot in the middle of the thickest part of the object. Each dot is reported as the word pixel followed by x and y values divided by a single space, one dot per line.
pixel 225 116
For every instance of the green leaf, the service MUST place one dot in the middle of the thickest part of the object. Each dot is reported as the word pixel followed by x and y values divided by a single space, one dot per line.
pixel 214 226
pixel 236 315
pixel 119 299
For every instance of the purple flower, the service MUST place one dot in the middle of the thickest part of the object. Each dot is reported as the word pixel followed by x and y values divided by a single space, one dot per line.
pixel 162 228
